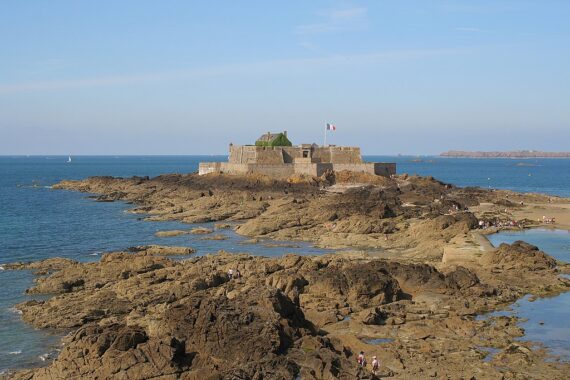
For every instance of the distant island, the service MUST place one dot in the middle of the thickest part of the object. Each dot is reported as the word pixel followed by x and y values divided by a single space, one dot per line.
pixel 513 154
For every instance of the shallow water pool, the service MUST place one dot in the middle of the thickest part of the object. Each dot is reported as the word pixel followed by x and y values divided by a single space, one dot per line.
pixel 546 318
pixel 554 242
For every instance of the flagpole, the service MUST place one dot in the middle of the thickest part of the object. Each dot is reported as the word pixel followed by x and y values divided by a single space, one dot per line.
pixel 325 144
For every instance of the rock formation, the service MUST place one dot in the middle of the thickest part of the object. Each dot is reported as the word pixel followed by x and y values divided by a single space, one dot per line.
pixel 143 314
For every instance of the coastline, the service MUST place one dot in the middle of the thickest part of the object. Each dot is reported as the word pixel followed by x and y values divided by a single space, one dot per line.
pixel 458 237
pixel 522 154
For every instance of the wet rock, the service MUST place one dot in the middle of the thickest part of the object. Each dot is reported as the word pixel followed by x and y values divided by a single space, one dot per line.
pixel 521 255
pixel 215 237
pixel 171 233
pixel 172 319
pixel 43 266
pixel 201 231
pixel 461 278
pixel 160 250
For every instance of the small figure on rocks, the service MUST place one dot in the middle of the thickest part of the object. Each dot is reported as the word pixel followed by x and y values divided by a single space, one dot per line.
pixel 237 273
pixel 375 365
pixel 361 359
pixel 230 273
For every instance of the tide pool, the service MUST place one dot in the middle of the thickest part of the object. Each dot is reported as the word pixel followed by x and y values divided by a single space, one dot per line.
pixel 554 242
pixel 546 318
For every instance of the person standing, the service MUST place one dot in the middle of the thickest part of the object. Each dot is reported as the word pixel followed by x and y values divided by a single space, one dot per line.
pixel 361 359
pixel 375 365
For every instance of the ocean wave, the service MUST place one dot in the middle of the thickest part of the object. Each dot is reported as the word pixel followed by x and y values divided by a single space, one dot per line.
pixel 1 267
pixel 94 254
pixel 15 311
pixel 15 352
pixel 48 355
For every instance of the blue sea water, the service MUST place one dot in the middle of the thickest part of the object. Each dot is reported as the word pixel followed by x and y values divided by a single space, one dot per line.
pixel 546 318
pixel 543 175
pixel 37 222
pixel 555 242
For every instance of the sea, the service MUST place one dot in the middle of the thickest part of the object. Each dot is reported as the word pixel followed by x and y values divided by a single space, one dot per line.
pixel 37 222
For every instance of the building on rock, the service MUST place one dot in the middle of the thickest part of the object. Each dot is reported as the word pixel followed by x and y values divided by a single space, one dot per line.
pixel 273 155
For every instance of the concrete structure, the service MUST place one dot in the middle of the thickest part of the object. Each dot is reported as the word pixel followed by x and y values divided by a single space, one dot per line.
pixel 284 161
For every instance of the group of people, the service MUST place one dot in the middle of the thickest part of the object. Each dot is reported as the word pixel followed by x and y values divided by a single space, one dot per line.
pixel 361 359
pixel 547 220
pixel 484 224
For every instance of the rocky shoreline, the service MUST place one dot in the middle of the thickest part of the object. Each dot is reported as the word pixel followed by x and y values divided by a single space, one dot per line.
pixel 417 273
pixel 512 154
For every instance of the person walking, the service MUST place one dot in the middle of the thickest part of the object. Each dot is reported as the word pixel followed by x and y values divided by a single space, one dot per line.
pixel 361 359
pixel 375 365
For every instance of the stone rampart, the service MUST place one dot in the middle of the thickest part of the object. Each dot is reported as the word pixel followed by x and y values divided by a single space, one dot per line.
pixel 249 154
pixel 242 154
pixel 283 161
pixel 345 155
pixel 377 168
pixel 286 170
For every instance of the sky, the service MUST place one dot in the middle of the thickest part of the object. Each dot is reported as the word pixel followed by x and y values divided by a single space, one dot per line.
pixel 190 77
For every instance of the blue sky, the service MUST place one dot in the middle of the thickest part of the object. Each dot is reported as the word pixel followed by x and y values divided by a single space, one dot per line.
pixel 182 77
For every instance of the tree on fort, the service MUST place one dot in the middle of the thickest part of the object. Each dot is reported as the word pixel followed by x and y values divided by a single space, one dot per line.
pixel 273 139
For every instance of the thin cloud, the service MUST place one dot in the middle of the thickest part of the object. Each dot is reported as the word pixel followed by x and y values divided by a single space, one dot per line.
pixel 253 68
pixel 490 7
pixel 334 20
pixel 468 29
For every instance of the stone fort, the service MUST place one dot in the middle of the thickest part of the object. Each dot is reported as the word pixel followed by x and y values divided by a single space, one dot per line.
pixel 285 160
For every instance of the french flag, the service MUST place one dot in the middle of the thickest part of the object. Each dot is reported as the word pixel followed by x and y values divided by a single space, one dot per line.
pixel 331 127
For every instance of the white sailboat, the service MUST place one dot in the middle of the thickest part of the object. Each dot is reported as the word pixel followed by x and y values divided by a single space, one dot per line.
pixel 69 159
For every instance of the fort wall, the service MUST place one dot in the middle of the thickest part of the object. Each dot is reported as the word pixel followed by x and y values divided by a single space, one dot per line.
pixel 242 154
pixel 284 161
pixel 286 170
pixel 378 168
pixel 249 154
pixel 280 171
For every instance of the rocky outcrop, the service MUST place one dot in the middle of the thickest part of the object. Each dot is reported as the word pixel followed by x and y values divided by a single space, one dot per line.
pixel 521 256
pixel 258 335
pixel 139 315
pixel 42 267
pixel 201 231
pixel 171 233
pixel 161 250
pixel 358 215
